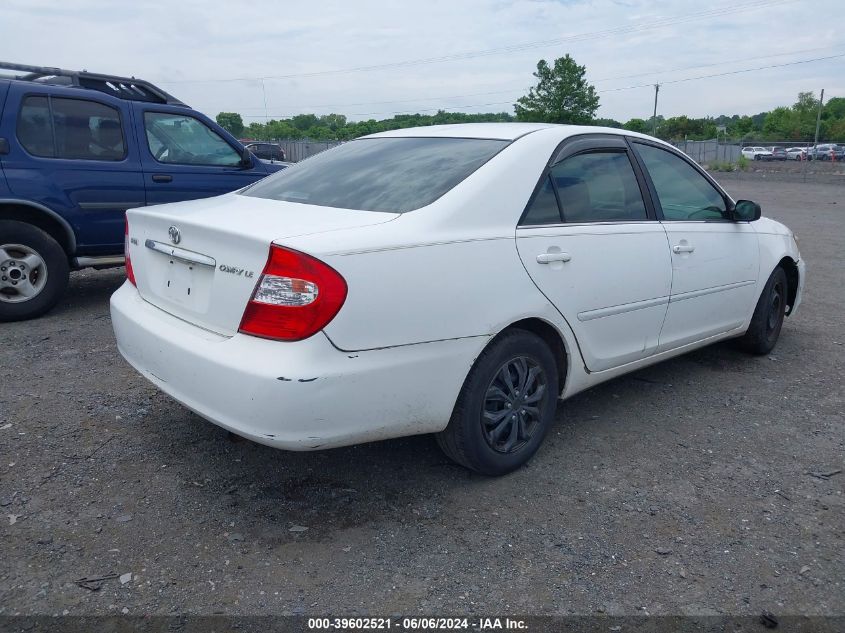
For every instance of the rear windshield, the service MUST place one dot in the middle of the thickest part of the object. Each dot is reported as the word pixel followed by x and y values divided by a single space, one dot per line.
pixel 379 174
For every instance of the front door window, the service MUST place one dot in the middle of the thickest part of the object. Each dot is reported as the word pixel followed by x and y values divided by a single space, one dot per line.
pixel 179 139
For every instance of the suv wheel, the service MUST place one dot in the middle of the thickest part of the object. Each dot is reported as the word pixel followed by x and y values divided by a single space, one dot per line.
pixel 505 407
pixel 33 271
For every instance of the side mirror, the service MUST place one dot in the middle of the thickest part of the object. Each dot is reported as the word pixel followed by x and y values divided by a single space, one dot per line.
pixel 246 158
pixel 746 211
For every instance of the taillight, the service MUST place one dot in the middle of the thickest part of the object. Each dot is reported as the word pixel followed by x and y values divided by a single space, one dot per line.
pixel 296 297
pixel 130 274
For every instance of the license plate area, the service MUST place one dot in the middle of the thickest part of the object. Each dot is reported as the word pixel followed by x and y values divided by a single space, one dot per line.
pixel 186 284
pixel 180 281
pixel 180 278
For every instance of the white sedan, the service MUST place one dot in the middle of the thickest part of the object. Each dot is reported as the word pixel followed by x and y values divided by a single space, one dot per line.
pixel 454 280
pixel 757 153
pixel 796 153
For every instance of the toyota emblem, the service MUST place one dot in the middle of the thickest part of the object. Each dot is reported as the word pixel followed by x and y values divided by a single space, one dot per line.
pixel 175 234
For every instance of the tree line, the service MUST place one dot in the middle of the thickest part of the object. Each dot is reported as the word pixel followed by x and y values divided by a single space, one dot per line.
pixel 563 95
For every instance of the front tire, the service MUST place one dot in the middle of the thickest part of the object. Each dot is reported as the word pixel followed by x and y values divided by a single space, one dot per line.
pixel 33 271
pixel 762 335
pixel 505 407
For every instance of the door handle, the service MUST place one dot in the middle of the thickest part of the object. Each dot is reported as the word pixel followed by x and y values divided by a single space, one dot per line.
pixel 4 146
pixel 548 258
pixel 162 178
pixel 683 248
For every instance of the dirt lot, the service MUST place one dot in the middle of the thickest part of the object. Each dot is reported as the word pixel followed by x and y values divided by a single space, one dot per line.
pixel 697 486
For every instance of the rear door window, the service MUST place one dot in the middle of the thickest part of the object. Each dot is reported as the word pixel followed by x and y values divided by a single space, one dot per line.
pixel 87 130
pixel 598 187
pixel 395 175
pixel 543 208
pixel 54 127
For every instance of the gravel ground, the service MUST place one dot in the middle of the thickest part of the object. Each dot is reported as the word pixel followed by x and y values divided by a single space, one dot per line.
pixel 707 484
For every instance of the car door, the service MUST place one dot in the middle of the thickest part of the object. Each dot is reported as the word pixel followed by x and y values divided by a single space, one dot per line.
pixel 591 242
pixel 77 155
pixel 715 260
pixel 184 157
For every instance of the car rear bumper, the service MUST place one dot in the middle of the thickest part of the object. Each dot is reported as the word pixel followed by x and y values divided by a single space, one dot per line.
pixel 297 396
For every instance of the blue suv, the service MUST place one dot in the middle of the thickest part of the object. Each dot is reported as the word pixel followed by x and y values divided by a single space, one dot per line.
pixel 77 150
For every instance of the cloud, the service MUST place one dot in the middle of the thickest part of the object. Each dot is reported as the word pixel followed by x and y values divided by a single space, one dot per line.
pixel 176 44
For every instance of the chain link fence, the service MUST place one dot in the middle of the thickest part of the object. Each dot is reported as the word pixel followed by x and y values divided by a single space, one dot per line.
pixel 703 152
pixel 297 150
pixel 706 152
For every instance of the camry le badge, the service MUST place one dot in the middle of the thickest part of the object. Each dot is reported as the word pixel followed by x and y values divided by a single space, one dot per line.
pixel 175 234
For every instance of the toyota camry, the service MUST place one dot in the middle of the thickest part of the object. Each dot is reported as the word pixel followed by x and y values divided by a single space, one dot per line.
pixel 454 280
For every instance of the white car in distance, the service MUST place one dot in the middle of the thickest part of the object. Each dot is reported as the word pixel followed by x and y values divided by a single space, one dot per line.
pixel 756 153
pixel 454 280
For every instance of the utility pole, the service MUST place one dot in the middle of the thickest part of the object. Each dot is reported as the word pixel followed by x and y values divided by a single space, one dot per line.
pixel 266 116
pixel 654 116
pixel 818 121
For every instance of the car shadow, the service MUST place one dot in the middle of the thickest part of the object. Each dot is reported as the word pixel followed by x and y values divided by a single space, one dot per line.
pixel 89 289
pixel 406 480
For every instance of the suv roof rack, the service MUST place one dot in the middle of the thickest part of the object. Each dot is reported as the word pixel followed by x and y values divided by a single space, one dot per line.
pixel 127 88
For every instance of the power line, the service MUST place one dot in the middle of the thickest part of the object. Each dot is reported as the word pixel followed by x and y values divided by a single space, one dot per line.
pixel 511 90
pixel 728 61
pixel 636 28
pixel 730 72
pixel 673 81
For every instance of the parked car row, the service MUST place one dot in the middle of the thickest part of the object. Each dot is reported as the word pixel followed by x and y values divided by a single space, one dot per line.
pixel 826 151
pixel 77 150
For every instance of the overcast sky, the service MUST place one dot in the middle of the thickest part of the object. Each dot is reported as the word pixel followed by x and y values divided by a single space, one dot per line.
pixel 298 46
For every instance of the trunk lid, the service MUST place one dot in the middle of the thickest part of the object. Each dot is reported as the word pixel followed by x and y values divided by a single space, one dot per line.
pixel 200 260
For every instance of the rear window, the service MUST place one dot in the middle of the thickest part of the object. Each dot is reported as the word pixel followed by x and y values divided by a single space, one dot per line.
pixel 379 174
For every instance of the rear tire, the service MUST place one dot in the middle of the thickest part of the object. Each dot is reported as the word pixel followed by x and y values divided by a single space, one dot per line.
pixel 505 407
pixel 33 271
pixel 762 335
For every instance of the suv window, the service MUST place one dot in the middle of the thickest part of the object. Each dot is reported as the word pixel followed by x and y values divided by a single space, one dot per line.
pixel 35 129
pixel 77 129
pixel 185 140
pixel 598 187
pixel 395 175
pixel 684 194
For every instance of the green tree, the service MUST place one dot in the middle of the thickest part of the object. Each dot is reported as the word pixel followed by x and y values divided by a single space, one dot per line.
pixel 782 123
pixel 305 121
pixel 807 104
pixel 562 94
pixel 741 126
pixel 606 123
pixel 333 121
pixel 256 131
pixel 231 122
pixel 638 125
pixel 834 108
pixel 836 131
